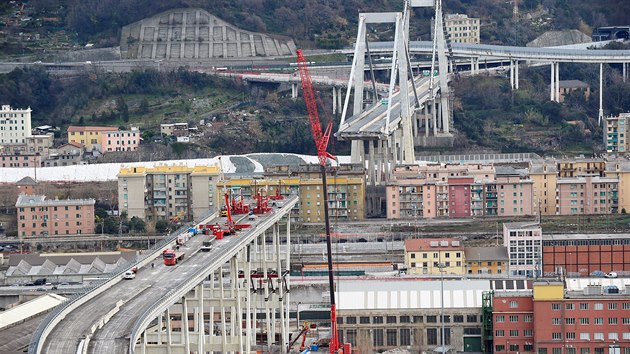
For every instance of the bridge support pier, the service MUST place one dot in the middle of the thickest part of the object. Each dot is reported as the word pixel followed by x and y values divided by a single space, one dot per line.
pixel 555 82
pixel 624 71
pixel 600 116
pixel 294 91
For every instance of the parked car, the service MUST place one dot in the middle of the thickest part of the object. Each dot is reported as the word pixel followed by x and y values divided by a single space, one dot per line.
pixel 129 275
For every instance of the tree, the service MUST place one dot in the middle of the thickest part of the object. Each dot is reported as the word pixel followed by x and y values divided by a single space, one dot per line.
pixel 121 107
pixel 144 106
pixel 136 224
pixel 161 226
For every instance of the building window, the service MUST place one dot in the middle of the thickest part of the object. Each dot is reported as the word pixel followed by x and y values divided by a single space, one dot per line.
pixel 499 348
pixel 458 318
pixel 598 320
pixel 391 338
pixel 570 307
pixel 432 336
pixel 405 336
pixel 612 321
pixel 377 319
pixel 570 335
pixel 528 333
pixel 556 321
pixel 351 320
pixel 598 306
pixel 556 351
pixel 555 307
pixel 514 333
pixel 390 319
pixel 364 320
pixel 612 305
pixel 585 350
pixel 556 335
pixel 598 336
pixel 569 320
pixel 431 319
pixel 583 306
pixel 513 304
pixel 527 318
pixel 471 318
pixel 499 333
pixel 584 321
pixel 378 337
pixel 404 319
pixel 499 319
pixel 585 336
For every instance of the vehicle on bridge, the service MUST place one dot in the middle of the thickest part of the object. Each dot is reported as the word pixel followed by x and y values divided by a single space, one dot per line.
pixel 171 257
pixel 207 245
pixel 129 275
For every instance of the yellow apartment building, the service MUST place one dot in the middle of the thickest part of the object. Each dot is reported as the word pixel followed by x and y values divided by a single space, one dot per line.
pixel 423 256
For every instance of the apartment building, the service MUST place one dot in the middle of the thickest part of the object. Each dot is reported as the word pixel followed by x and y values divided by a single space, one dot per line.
pixel 15 125
pixel 168 192
pixel 90 137
pixel 423 256
pixel 544 175
pixel 515 192
pixel 120 140
pixel 589 194
pixel 65 155
pixel 458 191
pixel 38 216
pixel 461 28
pixel 581 316
pixel 616 134
pixel 620 170
pixel 486 260
pixel 580 167
pixel 524 243
pixel 105 139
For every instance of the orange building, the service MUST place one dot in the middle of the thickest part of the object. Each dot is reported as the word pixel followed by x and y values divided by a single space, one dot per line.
pixel 38 216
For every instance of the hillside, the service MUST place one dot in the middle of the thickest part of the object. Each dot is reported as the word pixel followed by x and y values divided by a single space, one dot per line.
pixel 63 24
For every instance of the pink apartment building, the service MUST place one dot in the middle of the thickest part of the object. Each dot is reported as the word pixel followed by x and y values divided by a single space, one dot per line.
pixel 588 194
pixel 459 196
pixel 121 140
pixel 38 216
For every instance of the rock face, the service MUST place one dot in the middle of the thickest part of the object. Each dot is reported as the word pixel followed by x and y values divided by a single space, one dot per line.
pixel 557 38
pixel 196 34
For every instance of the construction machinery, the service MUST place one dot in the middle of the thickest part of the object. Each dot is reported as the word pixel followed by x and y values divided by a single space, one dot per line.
pixel 303 332
pixel 321 143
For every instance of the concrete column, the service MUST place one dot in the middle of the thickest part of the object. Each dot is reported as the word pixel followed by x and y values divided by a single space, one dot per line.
pixel 446 125
pixel 552 84
pixel 334 100
pixel 601 93
pixel 200 327
pixel 184 323
pixel 169 35
pixel 249 324
pixel 557 82
pixel 512 74
pixel 196 41
pixel 169 331
pixel 159 329
pixel 427 125
pixel 472 66
pixel 339 99
pixel 155 44
pixel 434 117
pixel 624 71
pixel 516 74
pixel 371 163
pixel 294 91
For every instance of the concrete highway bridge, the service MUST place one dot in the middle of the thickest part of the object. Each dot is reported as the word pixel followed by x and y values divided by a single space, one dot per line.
pixel 229 299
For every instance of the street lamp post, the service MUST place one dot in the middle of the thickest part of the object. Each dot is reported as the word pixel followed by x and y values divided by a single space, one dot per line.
pixel 441 267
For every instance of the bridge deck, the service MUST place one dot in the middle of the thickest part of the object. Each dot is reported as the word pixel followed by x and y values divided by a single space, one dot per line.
pixel 144 292
pixel 370 124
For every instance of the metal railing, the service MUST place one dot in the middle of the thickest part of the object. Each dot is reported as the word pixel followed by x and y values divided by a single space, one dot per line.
pixel 63 309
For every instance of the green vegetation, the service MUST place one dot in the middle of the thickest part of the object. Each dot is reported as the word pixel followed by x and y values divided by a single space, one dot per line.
pixel 492 116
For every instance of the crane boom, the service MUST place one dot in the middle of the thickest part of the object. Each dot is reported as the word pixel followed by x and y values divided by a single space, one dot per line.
pixel 321 143
pixel 321 138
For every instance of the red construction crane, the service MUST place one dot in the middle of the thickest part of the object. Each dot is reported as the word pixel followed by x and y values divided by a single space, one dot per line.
pixel 321 143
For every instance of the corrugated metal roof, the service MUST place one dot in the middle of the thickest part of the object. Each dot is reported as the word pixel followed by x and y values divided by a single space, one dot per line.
pixel 29 309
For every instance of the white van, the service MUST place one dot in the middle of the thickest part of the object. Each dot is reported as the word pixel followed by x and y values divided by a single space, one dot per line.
pixel 129 275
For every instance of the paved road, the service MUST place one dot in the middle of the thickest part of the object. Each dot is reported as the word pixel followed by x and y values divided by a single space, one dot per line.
pixel 14 340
